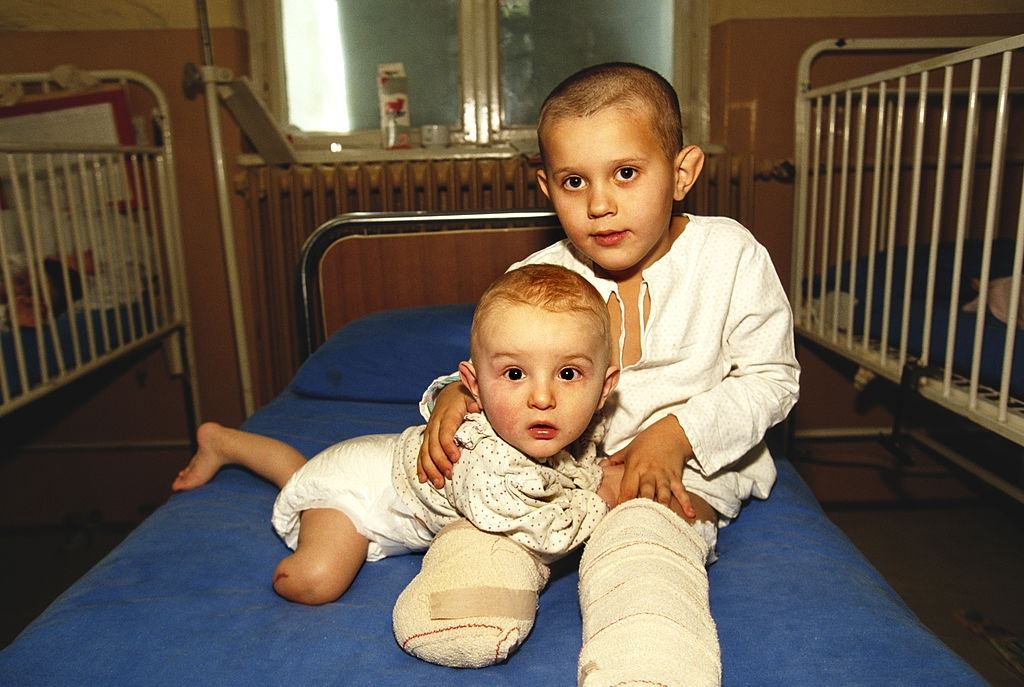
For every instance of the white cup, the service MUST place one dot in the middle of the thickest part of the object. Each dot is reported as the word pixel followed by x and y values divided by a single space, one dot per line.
pixel 434 136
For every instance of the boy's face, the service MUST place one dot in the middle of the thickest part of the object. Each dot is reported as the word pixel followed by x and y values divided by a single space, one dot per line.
pixel 539 376
pixel 613 186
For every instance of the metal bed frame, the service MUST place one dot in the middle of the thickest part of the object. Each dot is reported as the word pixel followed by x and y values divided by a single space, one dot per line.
pixel 315 325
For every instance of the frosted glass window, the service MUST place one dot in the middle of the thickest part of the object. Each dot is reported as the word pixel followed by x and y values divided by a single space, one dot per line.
pixel 543 41
pixel 482 67
pixel 332 49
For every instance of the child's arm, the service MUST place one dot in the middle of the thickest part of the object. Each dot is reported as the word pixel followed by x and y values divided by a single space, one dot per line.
pixel 654 463
pixel 725 421
pixel 439 450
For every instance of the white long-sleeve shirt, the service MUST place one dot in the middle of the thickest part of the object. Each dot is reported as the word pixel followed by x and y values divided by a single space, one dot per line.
pixel 716 351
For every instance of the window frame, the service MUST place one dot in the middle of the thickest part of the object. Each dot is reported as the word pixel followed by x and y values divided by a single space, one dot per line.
pixel 479 59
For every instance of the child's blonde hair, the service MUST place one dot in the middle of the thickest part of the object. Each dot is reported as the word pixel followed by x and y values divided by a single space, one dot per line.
pixel 549 287
pixel 621 85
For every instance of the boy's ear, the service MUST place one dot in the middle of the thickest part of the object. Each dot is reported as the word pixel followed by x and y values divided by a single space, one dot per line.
pixel 688 164
pixel 467 373
pixel 611 380
pixel 542 181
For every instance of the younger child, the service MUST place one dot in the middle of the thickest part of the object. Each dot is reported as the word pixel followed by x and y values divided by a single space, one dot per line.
pixel 539 369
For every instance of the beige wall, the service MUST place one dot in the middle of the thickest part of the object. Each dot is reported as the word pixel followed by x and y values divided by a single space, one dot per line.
pixel 114 15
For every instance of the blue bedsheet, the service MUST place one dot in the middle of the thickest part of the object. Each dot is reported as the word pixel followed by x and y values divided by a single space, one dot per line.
pixel 186 598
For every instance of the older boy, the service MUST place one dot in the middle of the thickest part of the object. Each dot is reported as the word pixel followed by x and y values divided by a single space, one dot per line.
pixel 703 329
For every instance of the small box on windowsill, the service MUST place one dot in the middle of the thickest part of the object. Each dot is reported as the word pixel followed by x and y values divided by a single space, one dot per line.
pixel 393 94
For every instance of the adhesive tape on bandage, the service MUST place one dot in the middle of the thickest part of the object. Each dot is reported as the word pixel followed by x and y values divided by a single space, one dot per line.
pixel 496 602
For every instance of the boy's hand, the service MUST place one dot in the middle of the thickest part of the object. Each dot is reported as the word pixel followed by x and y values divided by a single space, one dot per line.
pixel 654 467
pixel 439 450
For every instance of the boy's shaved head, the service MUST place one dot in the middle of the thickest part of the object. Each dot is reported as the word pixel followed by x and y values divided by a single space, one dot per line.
pixel 621 85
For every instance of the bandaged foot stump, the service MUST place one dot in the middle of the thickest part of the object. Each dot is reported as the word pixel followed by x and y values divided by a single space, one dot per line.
pixel 644 602
pixel 474 600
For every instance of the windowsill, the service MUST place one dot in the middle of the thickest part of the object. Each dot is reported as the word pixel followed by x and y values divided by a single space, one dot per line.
pixel 454 152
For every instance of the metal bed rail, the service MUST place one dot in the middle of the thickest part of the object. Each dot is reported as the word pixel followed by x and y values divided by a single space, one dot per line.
pixel 361 225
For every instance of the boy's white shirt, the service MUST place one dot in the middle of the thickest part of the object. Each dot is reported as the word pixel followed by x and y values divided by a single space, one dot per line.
pixel 717 352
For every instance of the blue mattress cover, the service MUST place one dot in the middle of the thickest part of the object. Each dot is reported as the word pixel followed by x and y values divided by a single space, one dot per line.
pixel 993 332
pixel 186 598
pixel 993 340
pixel 112 328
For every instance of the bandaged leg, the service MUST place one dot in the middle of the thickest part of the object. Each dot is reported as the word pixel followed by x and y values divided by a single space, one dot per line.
pixel 474 600
pixel 644 600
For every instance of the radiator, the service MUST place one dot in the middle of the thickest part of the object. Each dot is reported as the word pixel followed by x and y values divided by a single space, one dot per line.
pixel 285 204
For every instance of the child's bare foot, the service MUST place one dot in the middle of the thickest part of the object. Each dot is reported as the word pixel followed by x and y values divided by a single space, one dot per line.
pixel 206 462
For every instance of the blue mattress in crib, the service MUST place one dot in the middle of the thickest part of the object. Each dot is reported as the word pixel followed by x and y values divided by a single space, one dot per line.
pixel 49 350
pixel 993 332
pixel 993 341
pixel 186 599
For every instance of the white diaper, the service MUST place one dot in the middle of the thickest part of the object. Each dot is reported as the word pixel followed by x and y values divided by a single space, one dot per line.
pixel 354 477
pixel 708 531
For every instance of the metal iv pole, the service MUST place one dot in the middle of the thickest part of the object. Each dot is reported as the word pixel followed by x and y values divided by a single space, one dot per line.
pixel 209 76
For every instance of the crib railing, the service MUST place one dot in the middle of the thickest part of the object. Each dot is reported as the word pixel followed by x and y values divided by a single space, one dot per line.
pixel 895 172
pixel 90 253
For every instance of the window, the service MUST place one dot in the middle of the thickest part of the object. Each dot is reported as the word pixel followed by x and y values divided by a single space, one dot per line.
pixel 332 49
pixel 542 42
pixel 481 67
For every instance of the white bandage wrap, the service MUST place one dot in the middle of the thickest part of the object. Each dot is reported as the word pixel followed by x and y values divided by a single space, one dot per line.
pixel 644 601
pixel 474 600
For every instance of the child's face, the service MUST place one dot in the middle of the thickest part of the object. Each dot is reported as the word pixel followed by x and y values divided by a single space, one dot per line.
pixel 613 187
pixel 539 376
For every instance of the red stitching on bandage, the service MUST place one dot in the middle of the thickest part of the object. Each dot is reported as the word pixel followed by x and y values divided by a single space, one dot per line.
pixel 497 649
pixel 674 621
pixel 446 629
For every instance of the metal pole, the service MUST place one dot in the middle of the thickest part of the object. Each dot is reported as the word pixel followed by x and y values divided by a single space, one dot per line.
pixel 210 76
pixel 204 33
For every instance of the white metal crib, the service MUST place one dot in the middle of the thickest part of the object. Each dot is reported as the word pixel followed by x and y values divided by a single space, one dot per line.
pixel 910 192
pixel 91 263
